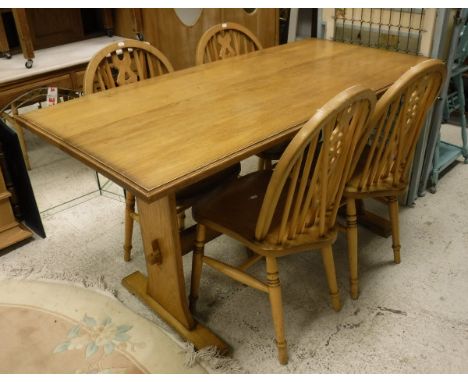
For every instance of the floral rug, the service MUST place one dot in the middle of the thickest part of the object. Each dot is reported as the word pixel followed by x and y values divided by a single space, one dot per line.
pixel 49 327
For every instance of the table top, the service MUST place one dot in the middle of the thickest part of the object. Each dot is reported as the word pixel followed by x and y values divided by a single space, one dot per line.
pixel 159 135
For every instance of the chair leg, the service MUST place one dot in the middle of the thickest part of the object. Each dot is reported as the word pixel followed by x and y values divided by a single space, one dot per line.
pixel 264 164
pixel 352 238
pixel 129 210
pixel 197 263
pixel 393 212
pixel 261 164
pixel 329 264
pixel 181 220
pixel 274 293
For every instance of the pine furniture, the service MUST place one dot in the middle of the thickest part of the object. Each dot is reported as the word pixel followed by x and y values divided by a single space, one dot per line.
pixel 124 63
pixel 225 40
pixel 383 169
pixel 157 136
pixel 291 209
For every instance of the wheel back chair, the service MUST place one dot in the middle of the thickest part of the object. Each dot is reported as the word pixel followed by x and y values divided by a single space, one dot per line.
pixel 383 169
pixel 224 41
pixel 229 40
pixel 289 209
pixel 127 62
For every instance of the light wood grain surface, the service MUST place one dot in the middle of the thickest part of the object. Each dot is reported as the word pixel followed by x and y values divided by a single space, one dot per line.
pixel 158 135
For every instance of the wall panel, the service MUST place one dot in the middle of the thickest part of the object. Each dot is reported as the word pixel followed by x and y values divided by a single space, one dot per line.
pixel 164 29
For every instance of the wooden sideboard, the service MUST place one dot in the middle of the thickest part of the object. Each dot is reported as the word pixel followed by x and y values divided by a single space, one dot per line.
pixel 68 78
pixel 11 232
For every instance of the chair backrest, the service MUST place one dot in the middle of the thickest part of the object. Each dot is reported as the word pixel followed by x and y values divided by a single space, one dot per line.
pixel 396 124
pixel 225 40
pixel 122 63
pixel 309 178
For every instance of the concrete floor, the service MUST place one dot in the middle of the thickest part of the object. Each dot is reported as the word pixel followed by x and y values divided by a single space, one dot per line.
pixel 409 318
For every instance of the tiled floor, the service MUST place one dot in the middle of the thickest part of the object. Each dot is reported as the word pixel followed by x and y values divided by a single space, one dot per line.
pixel 411 317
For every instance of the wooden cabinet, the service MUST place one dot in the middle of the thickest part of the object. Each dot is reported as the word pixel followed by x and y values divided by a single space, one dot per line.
pixel 69 78
pixel 48 27
pixel 11 231
pixel 51 27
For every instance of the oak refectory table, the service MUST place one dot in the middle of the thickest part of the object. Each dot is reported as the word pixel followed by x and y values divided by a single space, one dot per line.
pixel 156 136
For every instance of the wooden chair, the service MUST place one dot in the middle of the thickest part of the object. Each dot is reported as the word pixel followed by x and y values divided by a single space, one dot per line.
pixel 291 209
pixel 130 61
pixel 229 40
pixel 383 169
pixel 225 40
pixel 123 63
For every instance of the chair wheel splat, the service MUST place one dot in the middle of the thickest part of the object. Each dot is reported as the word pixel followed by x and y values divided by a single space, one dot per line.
pixel 382 171
pixel 293 208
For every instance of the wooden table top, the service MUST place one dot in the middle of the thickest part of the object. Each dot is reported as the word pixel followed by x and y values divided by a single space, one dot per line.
pixel 156 136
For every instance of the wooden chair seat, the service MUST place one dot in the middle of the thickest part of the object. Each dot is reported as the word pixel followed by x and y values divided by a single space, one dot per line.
pixel 289 209
pixel 188 195
pixel 234 209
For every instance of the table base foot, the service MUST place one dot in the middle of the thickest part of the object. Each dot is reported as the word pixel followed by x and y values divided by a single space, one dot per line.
pixel 200 336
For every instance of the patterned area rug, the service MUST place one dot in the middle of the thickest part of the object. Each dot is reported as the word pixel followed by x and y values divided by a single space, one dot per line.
pixel 48 327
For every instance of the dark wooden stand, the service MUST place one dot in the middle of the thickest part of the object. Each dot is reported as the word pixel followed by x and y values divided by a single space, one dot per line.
pixel 11 231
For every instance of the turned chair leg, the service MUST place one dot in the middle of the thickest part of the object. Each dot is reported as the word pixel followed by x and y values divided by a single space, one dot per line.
pixel 393 212
pixel 352 238
pixel 265 164
pixel 129 210
pixel 274 293
pixel 197 263
pixel 261 164
pixel 181 220
pixel 329 264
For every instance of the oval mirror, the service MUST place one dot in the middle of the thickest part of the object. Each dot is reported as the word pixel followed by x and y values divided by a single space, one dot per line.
pixel 250 10
pixel 188 16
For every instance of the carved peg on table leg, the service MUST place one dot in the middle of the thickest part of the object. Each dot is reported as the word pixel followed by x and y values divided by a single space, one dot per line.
pixel 155 257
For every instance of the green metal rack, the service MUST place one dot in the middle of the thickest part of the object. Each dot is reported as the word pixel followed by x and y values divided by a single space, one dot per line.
pixel 446 153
